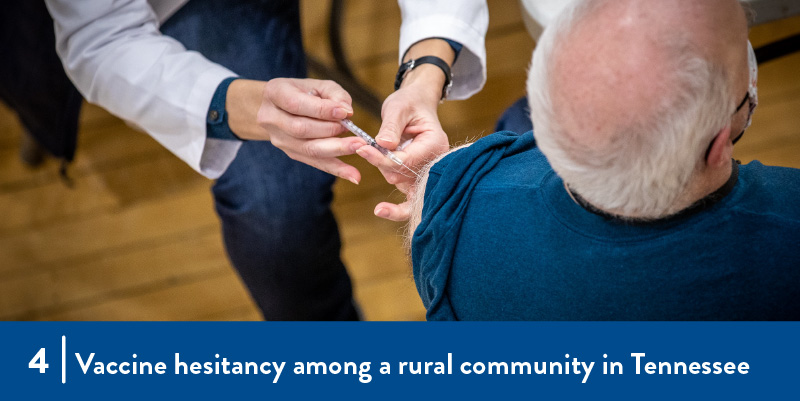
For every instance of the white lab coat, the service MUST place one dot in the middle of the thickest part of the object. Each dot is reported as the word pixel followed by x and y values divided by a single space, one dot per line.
pixel 113 52
pixel 462 21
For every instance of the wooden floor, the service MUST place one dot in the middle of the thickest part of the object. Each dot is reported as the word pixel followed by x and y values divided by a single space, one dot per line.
pixel 137 238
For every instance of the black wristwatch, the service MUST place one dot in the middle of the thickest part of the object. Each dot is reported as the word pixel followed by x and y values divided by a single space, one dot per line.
pixel 406 67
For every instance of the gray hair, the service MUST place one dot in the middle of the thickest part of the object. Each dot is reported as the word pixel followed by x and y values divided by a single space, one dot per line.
pixel 649 162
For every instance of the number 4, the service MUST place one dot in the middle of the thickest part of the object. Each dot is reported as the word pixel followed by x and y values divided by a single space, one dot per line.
pixel 38 362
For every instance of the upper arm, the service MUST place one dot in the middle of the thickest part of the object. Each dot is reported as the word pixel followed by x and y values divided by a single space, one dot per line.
pixel 114 53
pixel 416 198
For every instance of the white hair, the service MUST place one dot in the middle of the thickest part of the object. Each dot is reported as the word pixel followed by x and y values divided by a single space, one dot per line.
pixel 649 162
pixel 416 199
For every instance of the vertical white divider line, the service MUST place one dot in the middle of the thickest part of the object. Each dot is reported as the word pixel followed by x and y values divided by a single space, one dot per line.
pixel 63 359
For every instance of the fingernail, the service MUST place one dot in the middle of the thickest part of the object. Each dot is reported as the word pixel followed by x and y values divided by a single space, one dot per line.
pixel 355 147
pixel 353 180
pixel 346 108
pixel 382 213
pixel 339 113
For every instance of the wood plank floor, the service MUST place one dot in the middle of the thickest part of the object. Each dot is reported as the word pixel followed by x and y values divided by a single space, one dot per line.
pixel 137 238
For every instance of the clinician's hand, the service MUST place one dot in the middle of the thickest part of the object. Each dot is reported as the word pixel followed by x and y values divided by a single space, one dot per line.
pixel 408 113
pixel 299 116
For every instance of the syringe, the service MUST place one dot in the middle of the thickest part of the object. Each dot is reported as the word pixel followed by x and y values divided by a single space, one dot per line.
pixel 371 142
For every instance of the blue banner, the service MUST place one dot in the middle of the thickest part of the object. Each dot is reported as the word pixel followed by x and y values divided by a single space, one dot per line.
pixel 547 360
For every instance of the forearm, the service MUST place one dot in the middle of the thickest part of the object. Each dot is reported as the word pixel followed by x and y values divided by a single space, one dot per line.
pixel 242 102
pixel 465 23
pixel 428 79
pixel 118 59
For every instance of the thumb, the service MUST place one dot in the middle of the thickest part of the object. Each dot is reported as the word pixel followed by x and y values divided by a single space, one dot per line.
pixel 392 128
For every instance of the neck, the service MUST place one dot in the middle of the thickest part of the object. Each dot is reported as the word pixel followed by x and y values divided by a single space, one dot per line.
pixel 706 182
pixel 703 192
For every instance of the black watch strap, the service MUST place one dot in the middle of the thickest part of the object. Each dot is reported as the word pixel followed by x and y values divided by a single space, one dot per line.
pixel 406 67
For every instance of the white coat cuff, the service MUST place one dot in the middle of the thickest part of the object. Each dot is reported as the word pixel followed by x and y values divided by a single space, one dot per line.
pixel 209 156
pixel 469 70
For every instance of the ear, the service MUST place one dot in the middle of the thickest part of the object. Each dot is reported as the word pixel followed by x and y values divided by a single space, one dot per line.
pixel 721 149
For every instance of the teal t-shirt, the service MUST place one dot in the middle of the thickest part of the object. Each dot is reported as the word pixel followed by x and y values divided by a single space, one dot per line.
pixel 500 239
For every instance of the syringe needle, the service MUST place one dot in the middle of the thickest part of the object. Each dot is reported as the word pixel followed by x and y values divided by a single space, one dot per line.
pixel 371 142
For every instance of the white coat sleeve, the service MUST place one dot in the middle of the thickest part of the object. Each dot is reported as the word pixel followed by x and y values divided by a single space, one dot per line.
pixel 462 21
pixel 113 52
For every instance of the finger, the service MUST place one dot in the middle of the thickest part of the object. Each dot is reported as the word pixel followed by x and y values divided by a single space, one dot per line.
pixel 304 100
pixel 390 211
pixel 329 147
pixel 404 142
pixel 376 158
pixel 394 174
pixel 422 150
pixel 394 120
pixel 331 166
pixel 298 126
pixel 327 89
pixel 405 187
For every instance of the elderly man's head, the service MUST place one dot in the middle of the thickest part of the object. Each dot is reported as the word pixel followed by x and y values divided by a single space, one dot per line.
pixel 633 101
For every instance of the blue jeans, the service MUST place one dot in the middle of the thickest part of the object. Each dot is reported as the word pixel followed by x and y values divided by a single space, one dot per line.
pixel 279 231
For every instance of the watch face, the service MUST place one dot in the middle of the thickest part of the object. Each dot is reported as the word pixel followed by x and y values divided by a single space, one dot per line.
pixel 401 73
pixel 446 90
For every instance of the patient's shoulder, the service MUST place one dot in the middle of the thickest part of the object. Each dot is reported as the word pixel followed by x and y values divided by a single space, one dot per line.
pixel 769 190
pixel 502 159
pixel 441 163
